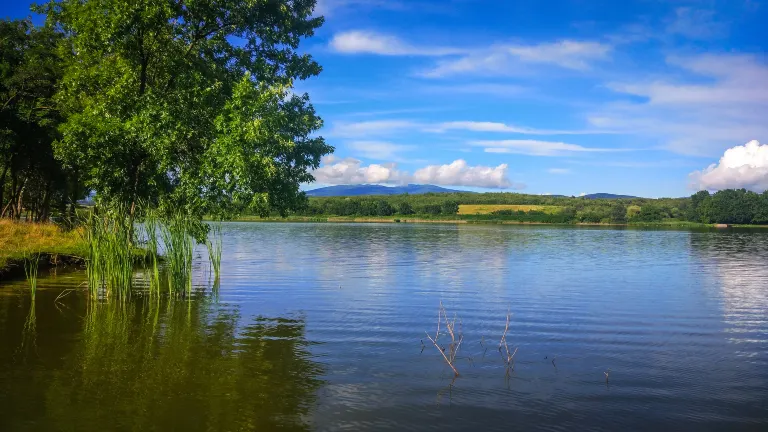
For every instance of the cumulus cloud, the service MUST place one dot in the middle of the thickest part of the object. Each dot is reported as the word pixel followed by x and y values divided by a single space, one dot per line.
pixel 368 42
pixel 351 171
pixel 458 173
pixel 336 171
pixel 740 167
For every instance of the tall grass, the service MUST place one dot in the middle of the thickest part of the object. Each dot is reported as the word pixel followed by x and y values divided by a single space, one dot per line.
pixel 214 250
pixel 109 264
pixel 152 227
pixel 31 264
pixel 178 246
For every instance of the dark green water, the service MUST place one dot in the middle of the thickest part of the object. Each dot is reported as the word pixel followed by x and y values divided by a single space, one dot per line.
pixel 319 327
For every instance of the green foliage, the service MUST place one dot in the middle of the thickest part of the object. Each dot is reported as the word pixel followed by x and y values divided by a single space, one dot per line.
pixel 187 106
pixel 31 179
pixel 618 213
pixel 727 206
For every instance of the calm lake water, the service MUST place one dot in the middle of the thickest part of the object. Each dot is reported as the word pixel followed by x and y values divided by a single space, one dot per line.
pixel 320 327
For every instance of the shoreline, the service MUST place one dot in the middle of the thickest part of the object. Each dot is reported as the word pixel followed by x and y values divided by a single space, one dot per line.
pixel 458 221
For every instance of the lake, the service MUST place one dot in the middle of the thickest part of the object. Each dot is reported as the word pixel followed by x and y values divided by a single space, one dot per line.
pixel 322 327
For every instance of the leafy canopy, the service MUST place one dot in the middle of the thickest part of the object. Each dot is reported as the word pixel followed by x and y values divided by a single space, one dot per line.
pixel 186 105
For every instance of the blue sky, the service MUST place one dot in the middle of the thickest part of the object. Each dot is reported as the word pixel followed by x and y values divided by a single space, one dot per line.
pixel 550 96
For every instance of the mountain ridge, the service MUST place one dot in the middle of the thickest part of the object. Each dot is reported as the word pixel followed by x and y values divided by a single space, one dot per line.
pixel 415 189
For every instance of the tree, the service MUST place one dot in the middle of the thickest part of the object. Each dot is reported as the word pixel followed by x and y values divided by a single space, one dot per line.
pixel 618 213
pixel 404 208
pixel 187 105
pixel 30 72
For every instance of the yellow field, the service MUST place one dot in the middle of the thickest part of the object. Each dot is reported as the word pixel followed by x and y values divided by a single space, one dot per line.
pixel 468 209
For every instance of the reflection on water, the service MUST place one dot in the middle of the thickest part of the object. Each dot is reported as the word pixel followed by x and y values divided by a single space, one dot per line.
pixel 156 365
pixel 318 326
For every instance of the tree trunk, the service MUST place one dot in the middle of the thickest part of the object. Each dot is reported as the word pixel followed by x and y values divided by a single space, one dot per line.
pixel 2 185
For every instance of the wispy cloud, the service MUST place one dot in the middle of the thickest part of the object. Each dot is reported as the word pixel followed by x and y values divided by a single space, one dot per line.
pixel 721 99
pixel 536 148
pixel 457 173
pixel 380 128
pixel 695 23
pixel 331 7
pixel 507 59
pixel 559 171
pixel 502 127
pixel 368 42
pixel 379 150
pixel 371 128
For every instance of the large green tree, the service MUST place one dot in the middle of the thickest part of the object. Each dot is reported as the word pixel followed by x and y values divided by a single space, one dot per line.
pixel 186 105
pixel 30 72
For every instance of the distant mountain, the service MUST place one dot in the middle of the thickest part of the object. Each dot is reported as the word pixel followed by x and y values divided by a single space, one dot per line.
pixel 367 189
pixel 608 196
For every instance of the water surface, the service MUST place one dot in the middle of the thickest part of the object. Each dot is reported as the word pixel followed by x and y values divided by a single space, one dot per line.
pixel 320 327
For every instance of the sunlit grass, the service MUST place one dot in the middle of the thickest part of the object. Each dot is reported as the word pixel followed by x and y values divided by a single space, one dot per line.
pixel 471 209
pixel 18 238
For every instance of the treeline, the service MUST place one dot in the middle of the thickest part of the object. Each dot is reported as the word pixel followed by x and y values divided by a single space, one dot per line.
pixel 32 181
pixel 379 206
pixel 726 206
pixel 729 206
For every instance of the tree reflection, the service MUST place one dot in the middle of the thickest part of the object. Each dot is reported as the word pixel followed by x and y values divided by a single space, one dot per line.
pixel 182 365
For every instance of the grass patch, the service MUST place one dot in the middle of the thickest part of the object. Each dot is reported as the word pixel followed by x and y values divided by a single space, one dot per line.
pixel 474 209
pixel 18 239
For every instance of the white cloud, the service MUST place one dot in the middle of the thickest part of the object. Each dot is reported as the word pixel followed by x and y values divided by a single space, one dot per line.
pixel 583 194
pixel 502 127
pixel 535 147
pixel 378 149
pixel 507 59
pixel 371 128
pixel 489 89
pixel 721 98
pixel 695 24
pixel 351 171
pixel 559 171
pixel 458 173
pixel 368 42
pixel 379 128
pixel 740 167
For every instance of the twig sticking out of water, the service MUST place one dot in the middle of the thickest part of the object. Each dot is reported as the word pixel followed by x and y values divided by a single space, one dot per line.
pixel 607 374
pixel 510 356
pixel 457 337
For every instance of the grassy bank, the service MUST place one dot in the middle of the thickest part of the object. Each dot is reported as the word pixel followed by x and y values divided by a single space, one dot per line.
pixel 18 238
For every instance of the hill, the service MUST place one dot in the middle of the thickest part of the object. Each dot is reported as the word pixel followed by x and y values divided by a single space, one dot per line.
pixel 608 196
pixel 367 189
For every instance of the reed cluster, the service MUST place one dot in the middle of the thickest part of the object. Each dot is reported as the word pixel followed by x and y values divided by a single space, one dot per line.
pixel 109 264
pixel 214 249
pixel 179 245
pixel 31 264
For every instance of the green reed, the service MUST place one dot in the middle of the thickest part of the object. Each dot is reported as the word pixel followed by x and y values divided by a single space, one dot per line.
pixel 110 254
pixel 31 264
pixel 151 228
pixel 178 247
pixel 214 245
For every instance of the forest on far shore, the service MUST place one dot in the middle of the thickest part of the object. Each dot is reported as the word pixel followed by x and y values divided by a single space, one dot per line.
pixel 730 206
